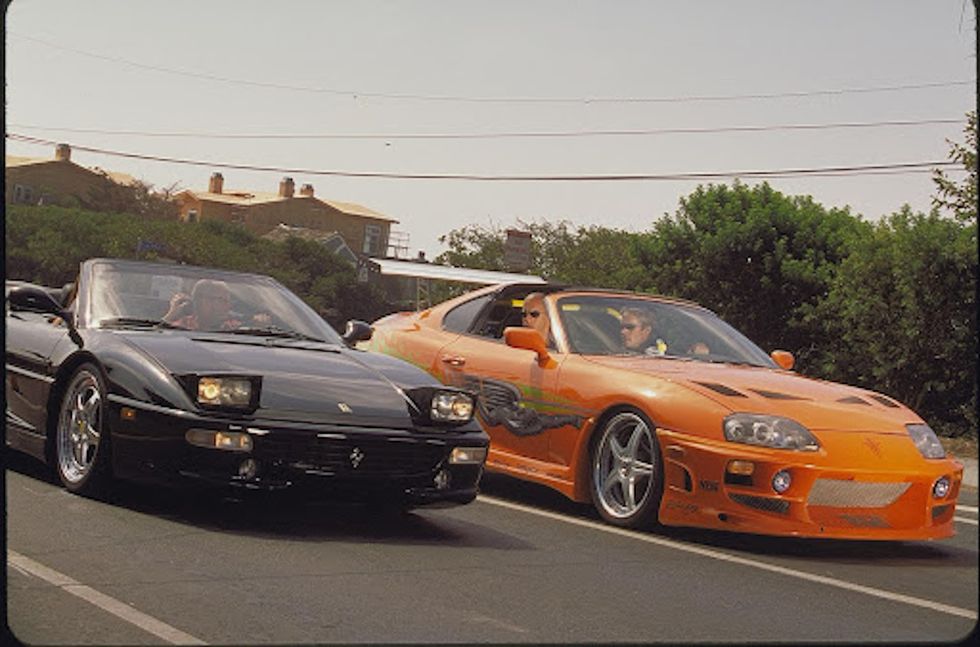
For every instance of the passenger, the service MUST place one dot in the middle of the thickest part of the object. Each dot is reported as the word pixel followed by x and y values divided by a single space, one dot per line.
pixel 534 315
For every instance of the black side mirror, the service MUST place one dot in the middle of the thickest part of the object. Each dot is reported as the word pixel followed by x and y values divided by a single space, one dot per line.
pixel 31 298
pixel 357 331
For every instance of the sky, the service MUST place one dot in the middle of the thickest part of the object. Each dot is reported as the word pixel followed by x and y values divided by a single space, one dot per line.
pixel 336 86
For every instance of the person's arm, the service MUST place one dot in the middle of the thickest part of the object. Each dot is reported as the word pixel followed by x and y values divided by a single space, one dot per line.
pixel 180 306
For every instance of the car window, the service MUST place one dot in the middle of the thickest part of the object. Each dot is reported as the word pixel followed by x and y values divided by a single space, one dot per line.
pixel 600 325
pixel 460 318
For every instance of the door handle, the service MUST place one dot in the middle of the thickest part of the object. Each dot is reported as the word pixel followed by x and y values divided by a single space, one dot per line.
pixel 454 360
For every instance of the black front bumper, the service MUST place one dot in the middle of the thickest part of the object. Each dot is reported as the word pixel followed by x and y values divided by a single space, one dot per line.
pixel 388 466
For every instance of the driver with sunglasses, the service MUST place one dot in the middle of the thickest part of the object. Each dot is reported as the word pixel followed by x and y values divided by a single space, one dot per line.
pixel 533 315
pixel 636 329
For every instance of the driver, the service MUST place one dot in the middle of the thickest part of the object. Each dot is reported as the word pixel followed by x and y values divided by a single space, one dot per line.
pixel 208 308
pixel 636 329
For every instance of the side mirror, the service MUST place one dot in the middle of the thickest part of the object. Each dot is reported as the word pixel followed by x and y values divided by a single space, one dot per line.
pixel 31 298
pixel 528 339
pixel 784 359
pixel 357 331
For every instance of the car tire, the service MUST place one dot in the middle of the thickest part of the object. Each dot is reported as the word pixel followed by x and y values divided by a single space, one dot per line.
pixel 627 471
pixel 81 439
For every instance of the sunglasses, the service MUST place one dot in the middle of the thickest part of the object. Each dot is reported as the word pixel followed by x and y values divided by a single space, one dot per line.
pixel 533 314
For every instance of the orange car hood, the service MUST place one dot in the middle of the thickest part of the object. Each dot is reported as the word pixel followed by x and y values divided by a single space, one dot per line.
pixel 817 404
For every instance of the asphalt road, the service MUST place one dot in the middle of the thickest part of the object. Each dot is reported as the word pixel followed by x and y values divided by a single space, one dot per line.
pixel 520 565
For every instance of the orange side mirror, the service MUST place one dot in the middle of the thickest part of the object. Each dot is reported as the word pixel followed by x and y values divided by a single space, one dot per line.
pixel 784 359
pixel 528 339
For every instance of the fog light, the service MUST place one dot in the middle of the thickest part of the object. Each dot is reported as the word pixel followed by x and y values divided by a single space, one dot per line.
pixel 744 468
pixel 464 455
pixel 441 479
pixel 248 469
pixel 941 487
pixel 781 481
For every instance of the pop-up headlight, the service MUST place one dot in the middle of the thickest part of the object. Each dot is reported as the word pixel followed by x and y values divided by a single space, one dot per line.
pixel 441 405
pixel 232 392
pixel 451 406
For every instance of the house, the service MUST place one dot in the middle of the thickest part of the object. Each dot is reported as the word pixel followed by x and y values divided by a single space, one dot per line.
pixel 366 231
pixel 57 180
pixel 332 240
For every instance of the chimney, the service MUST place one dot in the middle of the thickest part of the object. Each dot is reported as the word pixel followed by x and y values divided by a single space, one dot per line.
pixel 62 153
pixel 216 184
pixel 306 190
pixel 286 187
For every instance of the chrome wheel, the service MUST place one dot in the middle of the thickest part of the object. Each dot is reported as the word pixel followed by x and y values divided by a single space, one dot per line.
pixel 79 433
pixel 626 471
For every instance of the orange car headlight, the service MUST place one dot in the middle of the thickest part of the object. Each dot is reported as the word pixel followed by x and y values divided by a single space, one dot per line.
pixel 926 441
pixel 769 431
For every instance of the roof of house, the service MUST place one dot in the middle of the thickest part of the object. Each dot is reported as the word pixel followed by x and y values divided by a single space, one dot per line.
pixel 118 178
pixel 249 198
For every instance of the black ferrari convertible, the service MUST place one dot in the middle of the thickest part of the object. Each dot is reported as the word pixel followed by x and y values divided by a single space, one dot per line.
pixel 178 374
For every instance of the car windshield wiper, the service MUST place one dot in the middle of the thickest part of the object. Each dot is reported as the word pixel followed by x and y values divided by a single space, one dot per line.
pixel 273 331
pixel 137 322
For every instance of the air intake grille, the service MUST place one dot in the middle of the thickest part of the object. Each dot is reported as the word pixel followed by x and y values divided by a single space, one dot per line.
pixel 855 494
pixel 762 503
pixel 351 456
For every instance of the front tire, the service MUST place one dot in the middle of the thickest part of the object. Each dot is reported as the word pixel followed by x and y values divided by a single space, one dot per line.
pixel 81 440
pixel 627 471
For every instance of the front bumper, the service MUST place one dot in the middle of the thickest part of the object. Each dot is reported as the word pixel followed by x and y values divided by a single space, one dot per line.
pixel 836 500
pixel 390 466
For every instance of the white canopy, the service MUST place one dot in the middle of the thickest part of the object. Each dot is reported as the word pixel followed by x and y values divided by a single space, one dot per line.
pixel 392 267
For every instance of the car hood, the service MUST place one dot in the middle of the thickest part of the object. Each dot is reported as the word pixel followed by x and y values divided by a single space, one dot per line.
pixel 817 404
pixel 301 381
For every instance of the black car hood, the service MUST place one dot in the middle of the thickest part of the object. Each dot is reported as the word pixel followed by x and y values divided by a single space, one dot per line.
pixel 301 381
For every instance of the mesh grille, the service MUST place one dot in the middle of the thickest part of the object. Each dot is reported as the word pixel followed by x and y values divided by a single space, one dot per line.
pixel 855 494
pixel 762 503
pixel 374 456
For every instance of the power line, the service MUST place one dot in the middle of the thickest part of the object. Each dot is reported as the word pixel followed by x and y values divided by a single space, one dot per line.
pixel 869 169
pixel 501 135
pixel 356 94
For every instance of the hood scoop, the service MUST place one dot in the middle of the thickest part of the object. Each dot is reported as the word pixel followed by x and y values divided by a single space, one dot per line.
pixel 853 399
pixel 885 401
pixel 722 389
pixel 775 395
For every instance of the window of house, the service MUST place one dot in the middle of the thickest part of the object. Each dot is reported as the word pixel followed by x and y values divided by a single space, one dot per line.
pixel 23 194
pixel 192 215
pixel 372 239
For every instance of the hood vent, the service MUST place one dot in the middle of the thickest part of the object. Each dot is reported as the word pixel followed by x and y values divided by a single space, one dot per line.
pixel 773 395
pixel 885 401
pixel 853 399
pixel 721 388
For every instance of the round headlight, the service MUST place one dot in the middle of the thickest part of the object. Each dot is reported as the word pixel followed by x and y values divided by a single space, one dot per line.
pixel 941 487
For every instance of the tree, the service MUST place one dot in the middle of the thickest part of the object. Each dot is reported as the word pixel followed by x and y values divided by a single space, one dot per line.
pixel 137 198
pixel 960 197
pixel 592 256
pixel 901 317
pixel 760 259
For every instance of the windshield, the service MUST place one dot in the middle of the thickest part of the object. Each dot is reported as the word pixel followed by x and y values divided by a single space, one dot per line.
pixel 200 299
pixel 623 325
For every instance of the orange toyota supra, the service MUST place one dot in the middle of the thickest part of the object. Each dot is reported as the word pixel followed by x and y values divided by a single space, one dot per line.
pixel 654 409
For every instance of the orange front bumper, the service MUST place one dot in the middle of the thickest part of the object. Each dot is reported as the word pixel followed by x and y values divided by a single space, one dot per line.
pixel 825 499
